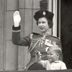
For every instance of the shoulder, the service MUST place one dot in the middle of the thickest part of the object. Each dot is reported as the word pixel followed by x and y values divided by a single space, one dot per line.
pixel 61 62
pixel 63 65
pixel 52 37
pixel 55 38
pixel 34 35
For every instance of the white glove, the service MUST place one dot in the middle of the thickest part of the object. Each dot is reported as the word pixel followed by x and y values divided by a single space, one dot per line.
pixel 16 18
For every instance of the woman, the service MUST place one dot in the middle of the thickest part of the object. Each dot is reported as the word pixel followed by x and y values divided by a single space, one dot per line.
pixel 38 43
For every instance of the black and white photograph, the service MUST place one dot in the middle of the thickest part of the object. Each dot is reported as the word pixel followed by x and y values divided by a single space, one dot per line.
pixel 36 35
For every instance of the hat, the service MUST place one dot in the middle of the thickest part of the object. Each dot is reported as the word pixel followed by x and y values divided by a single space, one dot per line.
pixel 43 13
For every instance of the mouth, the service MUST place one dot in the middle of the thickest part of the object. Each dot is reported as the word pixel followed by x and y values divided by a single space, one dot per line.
pixel 41 28
pixel 50 59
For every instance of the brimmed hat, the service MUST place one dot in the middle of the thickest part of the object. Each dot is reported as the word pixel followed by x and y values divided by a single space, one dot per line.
pixel 43 13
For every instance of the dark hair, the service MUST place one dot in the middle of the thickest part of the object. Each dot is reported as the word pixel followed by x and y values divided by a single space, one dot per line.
pixel 50 23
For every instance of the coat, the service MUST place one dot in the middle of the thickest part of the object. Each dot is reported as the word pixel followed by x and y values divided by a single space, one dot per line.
pixel 38 48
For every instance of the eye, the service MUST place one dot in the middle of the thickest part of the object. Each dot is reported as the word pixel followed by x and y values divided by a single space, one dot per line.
pixel 43 22
pixel 39 22
pixel 50 54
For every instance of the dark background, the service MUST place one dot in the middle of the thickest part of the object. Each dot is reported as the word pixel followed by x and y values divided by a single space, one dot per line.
pixel 66 31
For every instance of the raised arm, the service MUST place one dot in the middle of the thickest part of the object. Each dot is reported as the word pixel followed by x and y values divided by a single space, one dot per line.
pixel 16 39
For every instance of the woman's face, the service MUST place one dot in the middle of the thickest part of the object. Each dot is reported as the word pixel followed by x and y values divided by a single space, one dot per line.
pixel 43 24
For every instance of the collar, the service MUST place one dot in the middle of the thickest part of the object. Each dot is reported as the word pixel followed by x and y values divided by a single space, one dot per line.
pixel 56 61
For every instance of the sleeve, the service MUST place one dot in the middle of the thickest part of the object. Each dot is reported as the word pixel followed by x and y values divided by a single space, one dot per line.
pixel 17 40
pixel 63 66
pixel 59 43
pixel 43 63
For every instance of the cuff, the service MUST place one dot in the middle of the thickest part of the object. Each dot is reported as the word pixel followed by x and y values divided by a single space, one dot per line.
pixel 16 28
